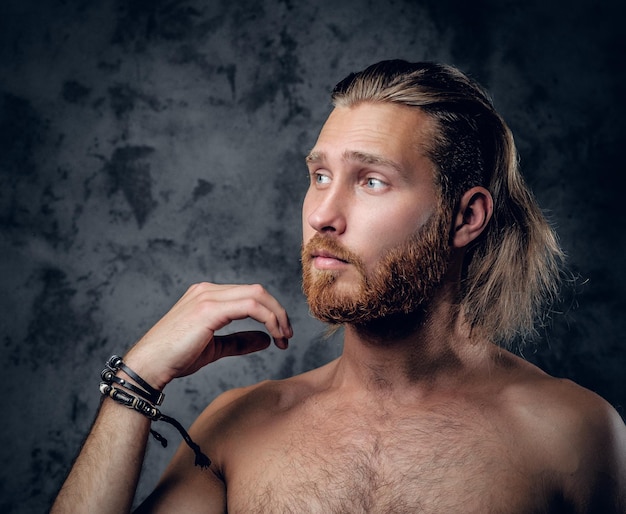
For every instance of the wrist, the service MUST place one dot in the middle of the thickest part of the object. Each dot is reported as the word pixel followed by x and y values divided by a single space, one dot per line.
pixel 144 367
pixel 123 392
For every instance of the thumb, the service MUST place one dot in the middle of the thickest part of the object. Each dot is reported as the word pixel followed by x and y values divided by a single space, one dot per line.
pixel 240 343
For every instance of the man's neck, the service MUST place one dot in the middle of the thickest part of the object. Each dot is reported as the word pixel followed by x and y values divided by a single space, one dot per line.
pixel 422 352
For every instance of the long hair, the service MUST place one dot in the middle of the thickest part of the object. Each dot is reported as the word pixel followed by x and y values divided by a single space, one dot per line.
pixel 512 271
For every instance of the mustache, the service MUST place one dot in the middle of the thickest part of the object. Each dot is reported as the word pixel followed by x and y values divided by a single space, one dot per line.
pixel 319 243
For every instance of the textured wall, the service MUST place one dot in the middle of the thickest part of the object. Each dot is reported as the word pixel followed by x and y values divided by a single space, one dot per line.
pixel 149 144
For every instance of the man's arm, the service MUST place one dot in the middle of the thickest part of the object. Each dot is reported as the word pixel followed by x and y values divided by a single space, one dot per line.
pixel 105 475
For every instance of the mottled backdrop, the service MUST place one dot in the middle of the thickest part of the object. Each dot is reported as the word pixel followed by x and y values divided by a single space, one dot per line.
pixel 149 144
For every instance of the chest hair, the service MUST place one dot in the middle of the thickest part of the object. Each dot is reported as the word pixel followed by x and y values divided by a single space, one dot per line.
pixel 349 462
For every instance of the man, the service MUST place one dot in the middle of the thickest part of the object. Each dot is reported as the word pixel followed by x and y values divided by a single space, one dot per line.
pixel 422 241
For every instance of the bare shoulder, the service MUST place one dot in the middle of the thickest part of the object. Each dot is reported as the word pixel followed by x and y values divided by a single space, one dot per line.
pixel 559 403
pixel 251 412
pixel 572 432
pixel 263 398
pixel 231 424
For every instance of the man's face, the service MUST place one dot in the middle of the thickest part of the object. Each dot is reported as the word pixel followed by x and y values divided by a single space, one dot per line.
pixel 374 237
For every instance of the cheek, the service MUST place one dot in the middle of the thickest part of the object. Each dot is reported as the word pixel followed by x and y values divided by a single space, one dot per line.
pixel 388 228
pixel 393 224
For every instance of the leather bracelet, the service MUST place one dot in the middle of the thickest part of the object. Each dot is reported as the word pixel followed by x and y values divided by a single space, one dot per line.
pixel 145 390
pixel 109 377
pixel 144 405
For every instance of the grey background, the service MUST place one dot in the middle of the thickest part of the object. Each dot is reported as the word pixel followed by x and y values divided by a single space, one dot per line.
pixel 149 144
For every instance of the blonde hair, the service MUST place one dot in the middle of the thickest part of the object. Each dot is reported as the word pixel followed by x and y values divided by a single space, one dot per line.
pixel 512 272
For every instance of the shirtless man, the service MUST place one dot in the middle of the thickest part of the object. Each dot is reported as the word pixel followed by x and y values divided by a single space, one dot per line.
pixel 422 241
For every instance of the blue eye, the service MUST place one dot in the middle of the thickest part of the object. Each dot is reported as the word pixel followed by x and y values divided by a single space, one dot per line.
pixel 320 178
pixel 374 183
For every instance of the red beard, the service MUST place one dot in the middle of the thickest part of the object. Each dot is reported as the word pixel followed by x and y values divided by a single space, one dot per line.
pixel 403 282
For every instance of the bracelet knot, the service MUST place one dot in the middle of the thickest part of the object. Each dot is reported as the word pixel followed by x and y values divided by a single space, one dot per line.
pixel 144 405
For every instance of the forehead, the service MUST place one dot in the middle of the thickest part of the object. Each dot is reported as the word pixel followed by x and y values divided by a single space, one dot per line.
pixel 391 132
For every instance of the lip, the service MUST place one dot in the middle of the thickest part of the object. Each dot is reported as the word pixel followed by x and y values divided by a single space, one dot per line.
pixel 323 260
pixel 326 255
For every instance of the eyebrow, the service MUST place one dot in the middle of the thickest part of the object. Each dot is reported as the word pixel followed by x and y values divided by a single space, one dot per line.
pixel 316 157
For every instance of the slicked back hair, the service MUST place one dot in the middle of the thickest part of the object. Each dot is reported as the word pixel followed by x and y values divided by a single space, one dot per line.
pixel 512 271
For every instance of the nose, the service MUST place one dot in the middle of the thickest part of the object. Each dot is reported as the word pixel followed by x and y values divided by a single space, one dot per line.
pixel 324 211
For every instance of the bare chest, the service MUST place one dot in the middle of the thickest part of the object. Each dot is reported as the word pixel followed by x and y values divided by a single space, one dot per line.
pixel 342 462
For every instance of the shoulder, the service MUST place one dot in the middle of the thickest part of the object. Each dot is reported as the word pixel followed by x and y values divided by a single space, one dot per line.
pixel 265 398
pixel 250 412
pixel 262 399
pixel 573 435
pixel 230 424
pixel 254 403
pixel 592 447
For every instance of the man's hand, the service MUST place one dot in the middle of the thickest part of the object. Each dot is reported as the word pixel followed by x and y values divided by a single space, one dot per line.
pixel 104 477
pixel 184 340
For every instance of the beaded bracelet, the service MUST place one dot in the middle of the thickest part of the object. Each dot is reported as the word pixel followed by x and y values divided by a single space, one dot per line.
pixel 130 401
pixel 143 406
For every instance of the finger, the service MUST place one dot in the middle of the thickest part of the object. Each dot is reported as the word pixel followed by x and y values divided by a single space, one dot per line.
pixel 231 294
pixel 282 343
pixel 260 294
pixel 224 313
pixel 240 343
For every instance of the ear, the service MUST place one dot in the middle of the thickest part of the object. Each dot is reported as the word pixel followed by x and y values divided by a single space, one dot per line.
pixel 471 217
